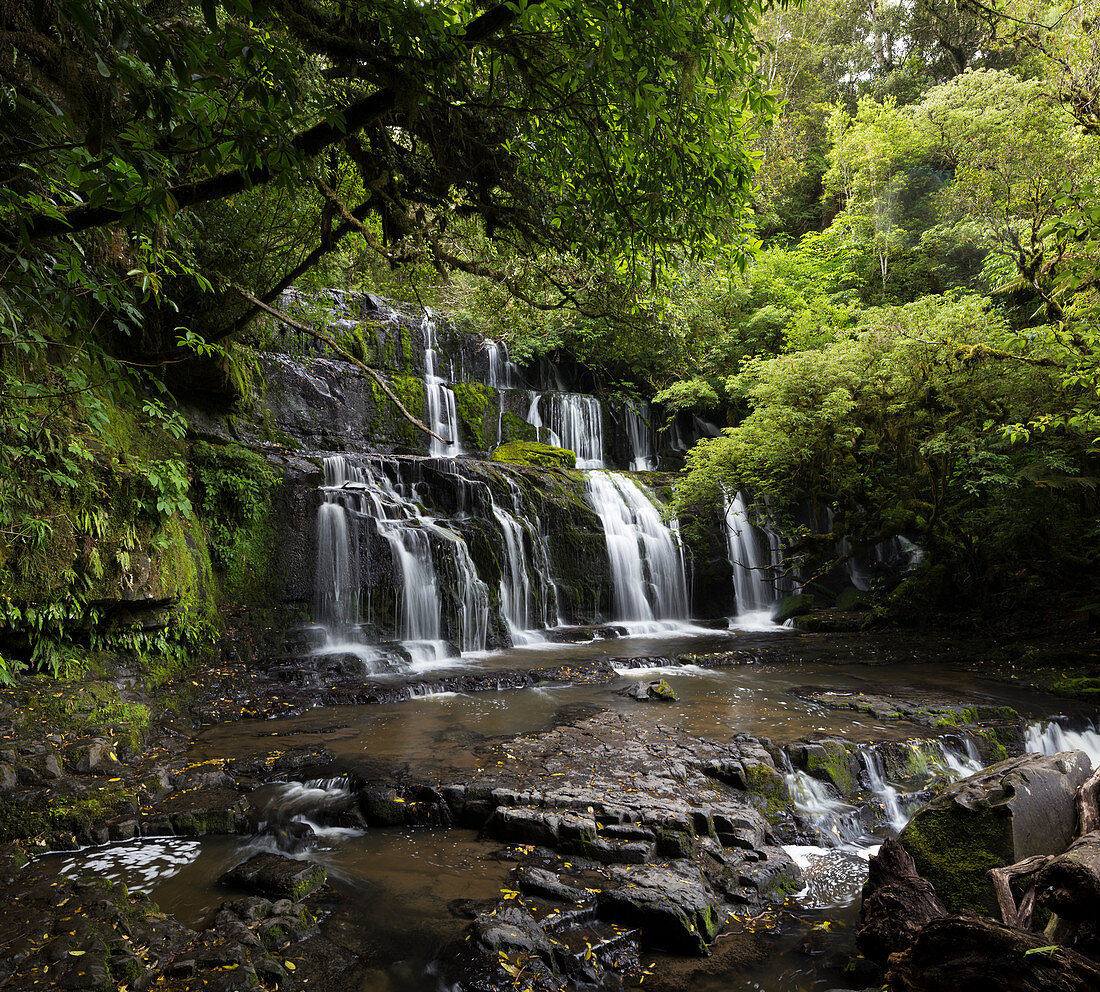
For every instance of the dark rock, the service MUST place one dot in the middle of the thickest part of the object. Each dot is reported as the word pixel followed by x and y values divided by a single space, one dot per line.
pixel 673 906
pixel 1013 810
pixel 274 877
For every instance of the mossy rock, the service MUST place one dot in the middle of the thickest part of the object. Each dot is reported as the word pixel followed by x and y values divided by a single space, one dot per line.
pixel 832 761
pixel 1011 811
pixel 534 453
pixel 662 690
pixel 515 428
pixel 475 406
pixel 793 606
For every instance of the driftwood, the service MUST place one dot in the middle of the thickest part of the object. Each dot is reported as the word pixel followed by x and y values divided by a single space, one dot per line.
pixel 966 954
pixel 1088 805
pixel 1011 914
pixel 898 905
pixel 1069 884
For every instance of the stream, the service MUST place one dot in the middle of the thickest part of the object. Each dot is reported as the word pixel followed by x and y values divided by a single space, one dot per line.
pixel 395 891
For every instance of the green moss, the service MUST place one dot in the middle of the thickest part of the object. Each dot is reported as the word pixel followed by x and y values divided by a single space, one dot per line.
pixel 534 453
pixel 73 814
pixel 955 847
pixel 767 789
pixel 835 765
pixel 513 428
pixel 233 491
pixel 1081 687
pixel 474 405
pixel 662 690
pixel 410 391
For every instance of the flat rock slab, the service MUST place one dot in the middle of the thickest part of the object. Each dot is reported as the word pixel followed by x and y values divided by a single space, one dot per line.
pixel 672 905
pixel 276 877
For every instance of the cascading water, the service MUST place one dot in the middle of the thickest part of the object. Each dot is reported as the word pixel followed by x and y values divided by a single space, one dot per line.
pixel 503 373
pixel 752 557
pixel 883 790
pixel 366 491
pixel 641 439
pixel 647 562
pixel 574 421
pixel 442 412
pixel 1052 738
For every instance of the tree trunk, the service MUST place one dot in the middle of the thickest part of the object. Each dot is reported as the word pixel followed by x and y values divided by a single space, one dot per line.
pixel 1069 884
pixel 965 954
pixel 897 903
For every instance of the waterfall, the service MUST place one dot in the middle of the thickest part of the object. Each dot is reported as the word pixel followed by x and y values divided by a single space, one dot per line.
pixel 1052 738
pixel 525 605
pixel 641 439
pixel 752 553
pixel 337 597
pixel 647 564
pixel 365 491
pixel 575 421
pixel 883 790
pixel 442 414
pixel 834 822
pixel 502 370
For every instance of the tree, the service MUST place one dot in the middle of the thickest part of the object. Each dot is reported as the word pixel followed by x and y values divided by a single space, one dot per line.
pixel 604 128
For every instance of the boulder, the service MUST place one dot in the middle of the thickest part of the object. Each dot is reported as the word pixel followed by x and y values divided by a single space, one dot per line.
pixel 275 877
pixel 1013 810
pixel 672 905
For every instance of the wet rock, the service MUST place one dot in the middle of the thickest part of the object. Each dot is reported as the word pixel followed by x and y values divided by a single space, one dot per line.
pixel 274 876
pixel 519 825
pixel 646 691
pixel 674 906
pixel 1013 810
pixel 293 837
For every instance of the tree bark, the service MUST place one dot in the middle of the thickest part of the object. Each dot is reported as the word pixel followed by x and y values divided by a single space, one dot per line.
pixel 897 903
pixel 1070 884
pixel 964 954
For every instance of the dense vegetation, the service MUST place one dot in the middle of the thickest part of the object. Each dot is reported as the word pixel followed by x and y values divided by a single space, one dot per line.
pixel 866 238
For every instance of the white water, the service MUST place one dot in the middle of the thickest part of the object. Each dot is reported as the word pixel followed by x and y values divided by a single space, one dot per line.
pixel 641 439
pixel 883 790
pixel 503 373
pixel 1053 738
pixel 647 563
pixel 574 421
pixel 752 557
pixel 442 415
pixel 365 490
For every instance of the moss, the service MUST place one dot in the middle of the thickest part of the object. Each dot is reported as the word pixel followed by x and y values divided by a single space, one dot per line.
pixel 473 403
pixel 834 765
pixel 84 706
pixel 233 491
pixel 766 788
pixel 662 690
pixel 534 453
pixel 410 391
pixel 1080 687
pixel 63 816
pixel 954 847
pixel 513 428
pixel 407 350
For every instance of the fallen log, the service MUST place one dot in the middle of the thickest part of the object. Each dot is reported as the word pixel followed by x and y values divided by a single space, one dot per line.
pixel 897 904
pixel 1069 884
pixel 968 954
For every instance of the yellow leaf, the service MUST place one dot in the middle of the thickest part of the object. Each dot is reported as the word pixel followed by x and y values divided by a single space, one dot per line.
pixel 76 954
pixel 290 966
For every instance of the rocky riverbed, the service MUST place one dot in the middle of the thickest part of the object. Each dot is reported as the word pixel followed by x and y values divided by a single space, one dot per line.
pixel 608 840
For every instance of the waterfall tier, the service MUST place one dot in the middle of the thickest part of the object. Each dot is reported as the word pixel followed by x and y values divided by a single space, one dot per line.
pixel 647 560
